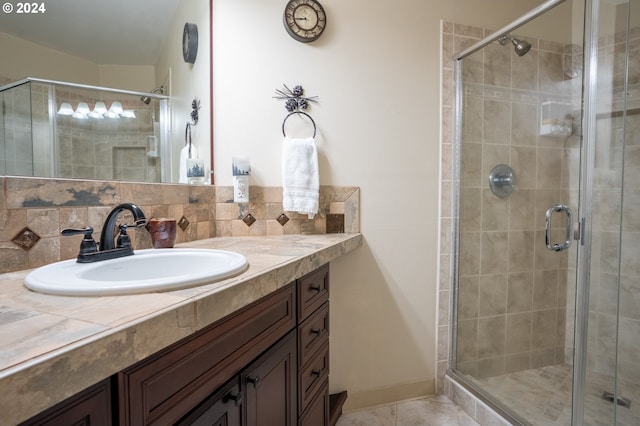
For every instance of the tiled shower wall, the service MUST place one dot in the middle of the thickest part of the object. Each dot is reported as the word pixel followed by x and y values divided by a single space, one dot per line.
pixel 512 290
pixel 33 211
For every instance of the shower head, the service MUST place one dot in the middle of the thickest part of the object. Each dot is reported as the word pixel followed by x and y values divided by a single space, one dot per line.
pixel 521 47
pixel 147 99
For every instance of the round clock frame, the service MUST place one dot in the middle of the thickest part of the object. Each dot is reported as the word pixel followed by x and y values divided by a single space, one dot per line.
pixel 304 20
pixel 190 43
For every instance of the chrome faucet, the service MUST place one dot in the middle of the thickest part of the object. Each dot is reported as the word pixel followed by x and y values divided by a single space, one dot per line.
pixel 109 247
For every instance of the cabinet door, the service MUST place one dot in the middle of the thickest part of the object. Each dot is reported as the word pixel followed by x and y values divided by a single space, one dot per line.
pixel 223 408
pixel 90 407
pixel 271 387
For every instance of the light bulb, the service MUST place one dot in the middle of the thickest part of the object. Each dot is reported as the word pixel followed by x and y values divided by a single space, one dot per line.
pixel 83 108
pixel 116 108
pixel 100 108
pixel 65 109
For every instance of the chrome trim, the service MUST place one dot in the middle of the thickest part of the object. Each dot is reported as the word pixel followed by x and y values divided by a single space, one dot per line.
pixel 532 14
pixel 455 241
pixel 587 166
pixel 559 208
pixel 79 86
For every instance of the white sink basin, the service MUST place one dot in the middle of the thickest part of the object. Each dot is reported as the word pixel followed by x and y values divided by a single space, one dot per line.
pixel 145 272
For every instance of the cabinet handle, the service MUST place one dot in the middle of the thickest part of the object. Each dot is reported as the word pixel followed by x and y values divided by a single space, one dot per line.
pixel 317 331
pixel 316 372
pixel 255 381
pixel 316 288
pixel 237 398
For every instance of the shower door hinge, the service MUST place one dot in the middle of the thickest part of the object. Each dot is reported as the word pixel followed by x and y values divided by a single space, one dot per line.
pixel 578 232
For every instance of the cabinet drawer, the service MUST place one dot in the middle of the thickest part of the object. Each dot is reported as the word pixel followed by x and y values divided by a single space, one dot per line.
pixel 313 333
pixel 313 291
pixel 312 377
pixel 166 386
pixel 317 413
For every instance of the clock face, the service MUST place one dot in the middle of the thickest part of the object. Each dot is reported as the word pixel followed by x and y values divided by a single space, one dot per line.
pixel 304 20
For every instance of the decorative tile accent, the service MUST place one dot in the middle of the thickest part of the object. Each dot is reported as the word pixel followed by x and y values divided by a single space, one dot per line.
pixel 335 224
pixel 249 219
pixel 183 223
pixel 26 239
pixel 283 219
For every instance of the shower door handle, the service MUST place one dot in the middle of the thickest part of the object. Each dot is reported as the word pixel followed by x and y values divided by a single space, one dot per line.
pixel 559 208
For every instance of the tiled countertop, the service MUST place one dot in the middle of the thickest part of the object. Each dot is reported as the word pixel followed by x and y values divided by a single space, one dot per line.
pixel 52 347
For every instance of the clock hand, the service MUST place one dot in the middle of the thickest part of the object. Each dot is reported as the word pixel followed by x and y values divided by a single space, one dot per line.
pixel 302 19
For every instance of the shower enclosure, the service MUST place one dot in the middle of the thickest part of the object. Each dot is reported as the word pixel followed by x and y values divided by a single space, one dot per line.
pixel 68 130
pixel 546 306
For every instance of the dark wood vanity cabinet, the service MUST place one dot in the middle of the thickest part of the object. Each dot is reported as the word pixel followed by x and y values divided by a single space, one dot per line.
pixel 265 365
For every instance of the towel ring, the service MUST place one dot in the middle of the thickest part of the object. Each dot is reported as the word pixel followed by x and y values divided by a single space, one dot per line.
pixel 299 112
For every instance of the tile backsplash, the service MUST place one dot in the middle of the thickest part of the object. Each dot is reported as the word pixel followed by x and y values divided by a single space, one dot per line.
pixel 41 208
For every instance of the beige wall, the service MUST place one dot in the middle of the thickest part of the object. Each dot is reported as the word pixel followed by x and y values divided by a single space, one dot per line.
pixel 23 58
pixel 376 71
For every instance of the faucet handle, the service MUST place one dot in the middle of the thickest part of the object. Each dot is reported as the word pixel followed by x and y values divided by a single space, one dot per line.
pixel 123 241
pixel 88 244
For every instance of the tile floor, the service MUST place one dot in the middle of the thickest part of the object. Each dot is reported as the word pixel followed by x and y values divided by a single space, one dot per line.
pixel 435 411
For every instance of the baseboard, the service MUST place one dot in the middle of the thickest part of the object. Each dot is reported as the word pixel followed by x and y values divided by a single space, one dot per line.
pixel 381 396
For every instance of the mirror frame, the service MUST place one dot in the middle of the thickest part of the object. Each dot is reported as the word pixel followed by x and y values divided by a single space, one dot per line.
pixel 211 135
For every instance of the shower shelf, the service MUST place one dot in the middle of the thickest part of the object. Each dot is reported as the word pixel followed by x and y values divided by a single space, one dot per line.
pixel 556 119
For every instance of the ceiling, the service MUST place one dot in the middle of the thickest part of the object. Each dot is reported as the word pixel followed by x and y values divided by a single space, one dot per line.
pixel 114 32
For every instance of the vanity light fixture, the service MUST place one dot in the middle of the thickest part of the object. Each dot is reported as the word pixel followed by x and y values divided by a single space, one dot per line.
pixel 99 110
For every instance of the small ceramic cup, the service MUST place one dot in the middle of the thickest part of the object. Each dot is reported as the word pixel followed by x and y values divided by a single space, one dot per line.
pixel 163 232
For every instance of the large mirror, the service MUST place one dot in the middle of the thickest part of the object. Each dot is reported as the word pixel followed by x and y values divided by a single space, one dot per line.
pixel 134 46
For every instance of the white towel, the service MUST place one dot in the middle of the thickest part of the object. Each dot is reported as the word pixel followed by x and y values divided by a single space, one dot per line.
pixel 300 181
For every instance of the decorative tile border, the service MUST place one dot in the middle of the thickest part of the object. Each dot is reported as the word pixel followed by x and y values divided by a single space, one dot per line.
pixel 46 206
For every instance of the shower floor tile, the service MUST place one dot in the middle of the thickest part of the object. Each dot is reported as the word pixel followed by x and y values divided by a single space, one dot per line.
pixel 434 411
pixel 542 397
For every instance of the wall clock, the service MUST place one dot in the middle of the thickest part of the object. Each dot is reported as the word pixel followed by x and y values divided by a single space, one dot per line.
pixel 190 43
pixel 304 20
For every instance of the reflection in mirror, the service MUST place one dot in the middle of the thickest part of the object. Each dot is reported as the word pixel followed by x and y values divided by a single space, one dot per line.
pixel 63 130
pixel 131 46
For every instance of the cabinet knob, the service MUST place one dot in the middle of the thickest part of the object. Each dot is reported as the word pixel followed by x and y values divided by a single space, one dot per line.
pixel 255 381
pixel 316 288
pixel 235 397
pixel 316 373
pixel 317 331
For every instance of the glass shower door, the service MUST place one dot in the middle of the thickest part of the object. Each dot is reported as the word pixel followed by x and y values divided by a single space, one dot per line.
pixel 611 312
